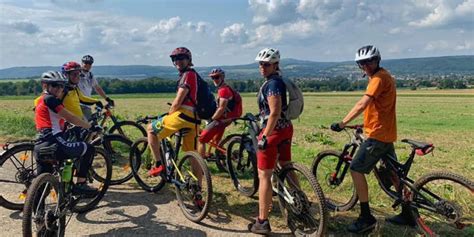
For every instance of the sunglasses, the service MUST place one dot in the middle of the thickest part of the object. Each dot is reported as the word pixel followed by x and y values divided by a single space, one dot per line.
pixel 264 64
pixel 56 85
pixel 365 62
pixel 179 57
pixel 215 77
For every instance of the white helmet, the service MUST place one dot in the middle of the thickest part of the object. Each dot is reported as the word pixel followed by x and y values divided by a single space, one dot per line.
pixel 268 55
pixel 367 52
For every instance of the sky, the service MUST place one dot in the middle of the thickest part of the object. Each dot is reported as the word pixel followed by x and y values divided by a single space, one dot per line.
pixel 229 32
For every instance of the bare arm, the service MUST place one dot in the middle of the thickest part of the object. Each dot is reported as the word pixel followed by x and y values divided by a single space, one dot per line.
pixel 180 96
pixel 73 119
pixel 358 108
pixel 274 102
pixel 221 109
pixel 100 91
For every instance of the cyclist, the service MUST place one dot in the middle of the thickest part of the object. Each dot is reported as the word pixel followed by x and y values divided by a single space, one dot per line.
pixel 274 141
pixel 87 82
pixel 229 107
pixel 380 127
pixel 181 114
pixel 48 113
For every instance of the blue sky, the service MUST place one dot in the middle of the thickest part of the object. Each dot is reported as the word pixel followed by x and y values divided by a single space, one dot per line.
pixel 229 32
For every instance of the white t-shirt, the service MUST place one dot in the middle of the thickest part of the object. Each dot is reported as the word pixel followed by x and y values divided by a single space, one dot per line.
pixel 87 82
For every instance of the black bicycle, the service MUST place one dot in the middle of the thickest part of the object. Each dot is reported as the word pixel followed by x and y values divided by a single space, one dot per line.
pixel 442 198
pixel 50 198
pixel 129 129
pixel 242 156
pixel 189 174
pixel 17 170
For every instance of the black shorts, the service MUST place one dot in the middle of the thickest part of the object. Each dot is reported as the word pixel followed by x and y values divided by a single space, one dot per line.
pixel 369 153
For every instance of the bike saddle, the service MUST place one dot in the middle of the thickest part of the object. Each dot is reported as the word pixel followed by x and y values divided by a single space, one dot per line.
pixel 422 148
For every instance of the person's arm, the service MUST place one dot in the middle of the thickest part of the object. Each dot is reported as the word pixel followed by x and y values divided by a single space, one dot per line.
pixel 85 99
pixel 100 91
pixel 358 108
pixel 68 116
pixel 180 96
pixel 221 109
pixel 274 102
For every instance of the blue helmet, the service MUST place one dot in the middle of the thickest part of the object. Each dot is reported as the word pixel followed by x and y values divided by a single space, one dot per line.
pixel 216 72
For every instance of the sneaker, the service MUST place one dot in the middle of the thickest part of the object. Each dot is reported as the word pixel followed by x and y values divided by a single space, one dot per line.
pixel 260 228
pixel 362 225
pixel 155 171
pixel 404 218
pixel 197 199
pixel 84 190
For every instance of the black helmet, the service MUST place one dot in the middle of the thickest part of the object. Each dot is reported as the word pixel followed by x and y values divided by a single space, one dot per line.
pixel 88 59
pixel 53 77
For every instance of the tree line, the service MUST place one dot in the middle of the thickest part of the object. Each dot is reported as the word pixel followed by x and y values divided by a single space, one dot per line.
pixel 158 85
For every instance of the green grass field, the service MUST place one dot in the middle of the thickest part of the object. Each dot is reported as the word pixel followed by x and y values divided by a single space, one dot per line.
pixel 444 118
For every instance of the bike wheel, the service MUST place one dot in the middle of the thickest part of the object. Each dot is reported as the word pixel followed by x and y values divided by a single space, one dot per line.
pixel 194 196
pixel 98 177
pixel 447 204
pixel 43 213
pixel 141 163
pixel 242 164
pixel 129 129
pixel 301 201
pixel 337 184
pixel 118 149
pixel 17 170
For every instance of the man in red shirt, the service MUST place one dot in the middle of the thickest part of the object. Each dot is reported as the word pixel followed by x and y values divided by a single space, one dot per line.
pixel 229 107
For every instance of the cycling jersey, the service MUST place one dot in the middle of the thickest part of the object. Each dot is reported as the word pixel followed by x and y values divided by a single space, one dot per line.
pixel 234 105
pixel 46 113
pixel 87 83
pixel 188 79
pixel 273 86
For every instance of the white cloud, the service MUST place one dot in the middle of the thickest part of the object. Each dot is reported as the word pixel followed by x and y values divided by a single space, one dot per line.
pixel 445 13
pixel 166 26
pixel 235 33
pixel 273 12
pixel 25 26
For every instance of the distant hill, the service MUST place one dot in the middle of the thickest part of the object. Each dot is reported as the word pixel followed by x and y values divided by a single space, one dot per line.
pixel 292 68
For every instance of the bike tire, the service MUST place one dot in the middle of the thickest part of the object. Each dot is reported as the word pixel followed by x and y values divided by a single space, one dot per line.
pixel 20 151
pixel 31 207
pixel 298 211
pixel 461 208
pixel 141 163
pixel 135 130
pixel 220 156
pixel 336 199
pixel 245 182
pixel 99 177
pixel 118 148
pixel 193 213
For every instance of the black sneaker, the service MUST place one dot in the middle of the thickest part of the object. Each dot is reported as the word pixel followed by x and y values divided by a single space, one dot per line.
pixel 362 225
pixel 404 218
pixel 260 228
pixel 84 190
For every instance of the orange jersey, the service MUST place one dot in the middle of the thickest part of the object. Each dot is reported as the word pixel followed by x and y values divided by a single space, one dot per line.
pixel 380 122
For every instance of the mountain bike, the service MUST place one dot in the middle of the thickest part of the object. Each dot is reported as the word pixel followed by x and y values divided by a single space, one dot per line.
pixel 242 156
pixel 130 129
pixel 444 197
pixel 17 170
pixel 50 198
pixel 194 195
pixel 301 200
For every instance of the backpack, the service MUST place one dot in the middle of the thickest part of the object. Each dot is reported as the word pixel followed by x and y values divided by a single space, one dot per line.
pixel 205 104
pixel 295 100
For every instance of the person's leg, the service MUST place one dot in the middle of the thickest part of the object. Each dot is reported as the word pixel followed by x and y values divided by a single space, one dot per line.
pixel 189 144
pixel 154 142
pixel 264 193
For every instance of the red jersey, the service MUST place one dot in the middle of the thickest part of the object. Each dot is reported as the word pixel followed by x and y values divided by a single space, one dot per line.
pixel 188 80
pixel 46 113
pixel 234 105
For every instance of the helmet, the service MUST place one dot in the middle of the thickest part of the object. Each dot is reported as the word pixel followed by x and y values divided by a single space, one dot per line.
pixel 367 53
pixel 88 59
pixel 268 55
pixel 216 72
pixel 52 77
pixel 182 51
pixel 70 66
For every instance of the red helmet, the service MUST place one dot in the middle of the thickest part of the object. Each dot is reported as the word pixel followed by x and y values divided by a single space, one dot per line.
pixel 182 51
pixel 70 66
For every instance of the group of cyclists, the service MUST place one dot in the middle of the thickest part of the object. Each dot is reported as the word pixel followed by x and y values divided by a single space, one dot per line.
pixel 66 96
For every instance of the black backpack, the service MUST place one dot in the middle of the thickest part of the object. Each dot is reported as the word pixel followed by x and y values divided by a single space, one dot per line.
pixel 206 104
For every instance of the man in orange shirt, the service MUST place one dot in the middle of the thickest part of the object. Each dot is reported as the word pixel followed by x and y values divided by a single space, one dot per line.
pixel 380 126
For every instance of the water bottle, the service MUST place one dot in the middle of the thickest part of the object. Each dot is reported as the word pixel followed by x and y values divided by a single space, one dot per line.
pixel 67 173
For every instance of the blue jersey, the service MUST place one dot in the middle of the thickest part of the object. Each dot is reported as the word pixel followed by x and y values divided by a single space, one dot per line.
pixel 273 86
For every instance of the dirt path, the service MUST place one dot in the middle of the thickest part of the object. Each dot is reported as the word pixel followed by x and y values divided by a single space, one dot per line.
pixel 129 212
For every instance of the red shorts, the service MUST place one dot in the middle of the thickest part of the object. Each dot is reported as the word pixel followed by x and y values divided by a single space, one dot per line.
pixel 214 130
pixel 278 147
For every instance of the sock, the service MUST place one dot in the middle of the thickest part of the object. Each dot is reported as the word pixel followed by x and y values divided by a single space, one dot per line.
pixel 260 221
pixel 158 163
pixel 365 210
